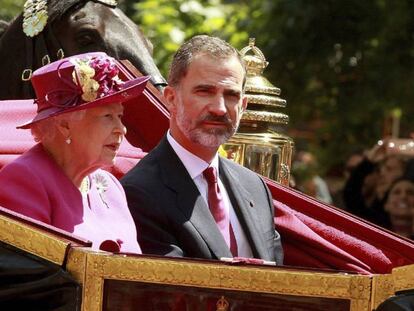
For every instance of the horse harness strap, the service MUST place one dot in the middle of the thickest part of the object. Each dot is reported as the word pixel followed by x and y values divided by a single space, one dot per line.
pixel 35 18
pixel 38 44
pixel 35 38
pixel 27 73
pixel 55 43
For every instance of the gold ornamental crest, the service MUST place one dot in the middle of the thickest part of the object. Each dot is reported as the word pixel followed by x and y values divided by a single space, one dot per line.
pixel 222 304
pixel 34 17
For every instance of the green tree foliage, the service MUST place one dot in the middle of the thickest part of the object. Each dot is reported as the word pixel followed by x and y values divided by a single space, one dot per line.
pixel 341 65
pixel 168 23
pixel 10 8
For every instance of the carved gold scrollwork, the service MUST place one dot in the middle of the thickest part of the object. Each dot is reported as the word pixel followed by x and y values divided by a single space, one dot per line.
pixel 33 241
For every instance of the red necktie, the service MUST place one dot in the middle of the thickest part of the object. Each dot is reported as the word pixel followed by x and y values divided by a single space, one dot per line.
pixel 217 209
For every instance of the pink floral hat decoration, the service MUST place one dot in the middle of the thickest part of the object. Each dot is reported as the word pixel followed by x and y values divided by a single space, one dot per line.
pixel 80 82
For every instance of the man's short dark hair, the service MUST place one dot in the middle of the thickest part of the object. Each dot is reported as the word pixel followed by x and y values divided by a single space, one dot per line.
pixel 201 44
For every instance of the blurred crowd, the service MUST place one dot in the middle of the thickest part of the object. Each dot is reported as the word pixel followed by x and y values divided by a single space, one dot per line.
pixel 377 185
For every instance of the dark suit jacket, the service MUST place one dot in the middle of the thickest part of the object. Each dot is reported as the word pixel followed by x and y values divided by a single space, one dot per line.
pixel 173 219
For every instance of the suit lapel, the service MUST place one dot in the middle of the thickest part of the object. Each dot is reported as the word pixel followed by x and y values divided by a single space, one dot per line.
pixel 245 208
pixel 189 201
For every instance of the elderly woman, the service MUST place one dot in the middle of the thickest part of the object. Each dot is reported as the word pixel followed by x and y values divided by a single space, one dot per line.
pixel 79 130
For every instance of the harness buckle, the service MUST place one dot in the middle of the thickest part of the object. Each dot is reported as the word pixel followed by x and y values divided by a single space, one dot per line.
pixel 26 75
pixel 45 60
pixel 60 54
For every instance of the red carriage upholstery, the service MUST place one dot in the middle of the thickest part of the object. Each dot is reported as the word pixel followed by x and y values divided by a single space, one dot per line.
pixel 317 235
pixel 14 142
pixel 314 234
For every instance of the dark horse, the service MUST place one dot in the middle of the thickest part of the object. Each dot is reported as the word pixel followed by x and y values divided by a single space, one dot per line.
pixel 74 26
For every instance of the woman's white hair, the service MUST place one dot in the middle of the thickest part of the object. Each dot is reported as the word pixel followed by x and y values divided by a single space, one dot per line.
pixel 45 130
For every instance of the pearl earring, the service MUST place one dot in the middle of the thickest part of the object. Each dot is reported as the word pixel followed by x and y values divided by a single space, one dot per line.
pixel 68 140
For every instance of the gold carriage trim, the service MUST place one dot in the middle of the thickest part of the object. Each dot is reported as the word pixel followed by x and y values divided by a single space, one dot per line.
pixel 222 304
pixel 33 240
pixel 101 267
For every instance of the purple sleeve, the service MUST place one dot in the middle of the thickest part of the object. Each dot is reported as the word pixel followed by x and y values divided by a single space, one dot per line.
pixel 24 192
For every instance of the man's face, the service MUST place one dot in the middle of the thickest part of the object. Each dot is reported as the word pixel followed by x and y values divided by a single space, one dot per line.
pixel 207 104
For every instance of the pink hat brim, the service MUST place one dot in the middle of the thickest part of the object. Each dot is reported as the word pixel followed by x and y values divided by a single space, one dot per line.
pixel 129 89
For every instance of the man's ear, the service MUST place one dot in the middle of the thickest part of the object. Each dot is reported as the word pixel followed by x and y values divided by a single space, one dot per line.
pixel 170 98
pixel 244 104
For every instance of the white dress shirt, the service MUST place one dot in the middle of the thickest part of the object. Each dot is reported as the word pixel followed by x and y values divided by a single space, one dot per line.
pixel 195 167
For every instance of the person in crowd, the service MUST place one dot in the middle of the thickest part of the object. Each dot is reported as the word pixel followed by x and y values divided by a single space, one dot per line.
pixel 352 161
pixel 365 190
pixel 186 199
pixel 391 168
pixel 79 131
pixel 305 170
pixel 399 203
pixel 409 170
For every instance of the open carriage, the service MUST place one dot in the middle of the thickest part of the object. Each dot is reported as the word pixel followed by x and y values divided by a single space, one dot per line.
pixel 333 260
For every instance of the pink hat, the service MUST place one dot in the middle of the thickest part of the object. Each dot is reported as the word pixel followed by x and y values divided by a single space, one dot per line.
pixel 80 82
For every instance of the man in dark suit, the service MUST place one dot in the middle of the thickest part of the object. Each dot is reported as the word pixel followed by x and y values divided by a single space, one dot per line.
pixel 179 206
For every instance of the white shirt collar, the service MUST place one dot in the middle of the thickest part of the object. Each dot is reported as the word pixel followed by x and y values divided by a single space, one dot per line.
pixel 194 165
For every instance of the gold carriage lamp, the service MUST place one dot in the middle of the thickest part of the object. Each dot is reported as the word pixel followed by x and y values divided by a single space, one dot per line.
pixel 260 144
